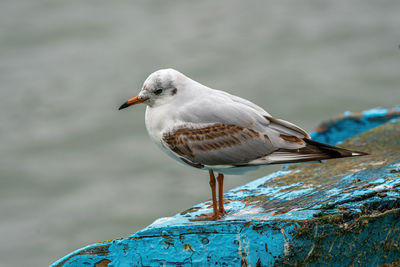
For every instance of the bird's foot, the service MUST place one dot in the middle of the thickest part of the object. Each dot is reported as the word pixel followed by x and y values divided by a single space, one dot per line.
pixel 207 217
pixel 222 211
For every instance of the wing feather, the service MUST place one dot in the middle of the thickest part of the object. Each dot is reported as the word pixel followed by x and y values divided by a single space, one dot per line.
pixel 287 128
pixel 233 110
pixel 217 144
pixel 312 151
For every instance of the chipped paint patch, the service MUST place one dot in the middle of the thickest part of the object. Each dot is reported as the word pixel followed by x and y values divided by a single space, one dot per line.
pixel 336 130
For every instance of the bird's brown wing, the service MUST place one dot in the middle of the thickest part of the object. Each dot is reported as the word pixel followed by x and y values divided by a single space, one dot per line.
pixel 217 144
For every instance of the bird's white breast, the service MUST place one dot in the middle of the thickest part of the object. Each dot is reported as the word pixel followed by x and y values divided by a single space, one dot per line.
pixel 159 120
pixel 156 122
pixel 167 116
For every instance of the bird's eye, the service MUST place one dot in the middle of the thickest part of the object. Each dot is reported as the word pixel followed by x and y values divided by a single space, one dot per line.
pixel 158 91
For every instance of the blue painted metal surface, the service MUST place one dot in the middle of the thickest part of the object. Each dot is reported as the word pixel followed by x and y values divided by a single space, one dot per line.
pixel 341 212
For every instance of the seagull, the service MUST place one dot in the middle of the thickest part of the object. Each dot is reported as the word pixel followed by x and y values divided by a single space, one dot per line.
pixel 218 132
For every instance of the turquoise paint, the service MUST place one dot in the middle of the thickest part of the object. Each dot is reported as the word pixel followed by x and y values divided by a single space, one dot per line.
pixel 347 113
pixel 199 245
pixel 349 126
pixel 375 112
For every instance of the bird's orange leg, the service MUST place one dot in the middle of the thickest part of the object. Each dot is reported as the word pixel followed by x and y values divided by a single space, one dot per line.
pixel 214 195
pixel 220 180
pixel 216 213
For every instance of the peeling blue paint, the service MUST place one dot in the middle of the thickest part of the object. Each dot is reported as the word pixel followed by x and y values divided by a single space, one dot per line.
pixel 375 112
pixel 347 113
pixel 274 218
pixel 350 125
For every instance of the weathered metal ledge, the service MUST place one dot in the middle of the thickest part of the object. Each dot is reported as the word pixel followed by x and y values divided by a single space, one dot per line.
pixel 338 213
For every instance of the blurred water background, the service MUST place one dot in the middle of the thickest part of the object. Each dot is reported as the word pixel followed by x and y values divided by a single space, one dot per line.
pixel 74 170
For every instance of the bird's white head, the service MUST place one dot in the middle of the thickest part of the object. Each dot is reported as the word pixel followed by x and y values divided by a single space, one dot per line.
pixel 160 87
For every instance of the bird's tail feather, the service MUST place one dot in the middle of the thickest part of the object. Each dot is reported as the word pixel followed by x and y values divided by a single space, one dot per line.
pixel 313 151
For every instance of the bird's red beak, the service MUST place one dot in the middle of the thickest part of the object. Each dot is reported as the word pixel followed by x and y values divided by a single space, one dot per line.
pixel 132 101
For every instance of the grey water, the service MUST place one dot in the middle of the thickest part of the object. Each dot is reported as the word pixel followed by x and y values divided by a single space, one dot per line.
pixel 74 170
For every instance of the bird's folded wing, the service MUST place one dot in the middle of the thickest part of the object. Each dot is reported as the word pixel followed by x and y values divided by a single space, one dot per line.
pixel 229 109
pixel 226 130
pixel 217 144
